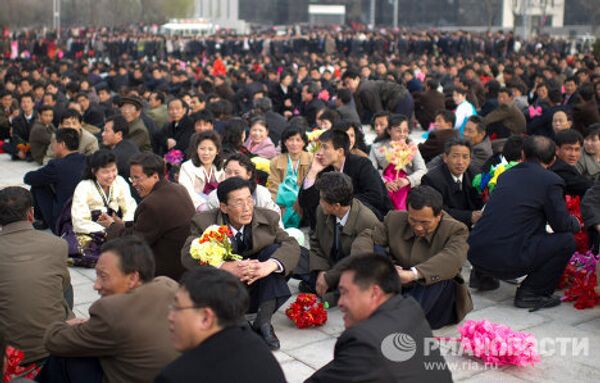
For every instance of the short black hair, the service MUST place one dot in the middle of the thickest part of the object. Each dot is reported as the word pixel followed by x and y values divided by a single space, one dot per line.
pixel 338 139
pixel 539 149
pixel 70 137
pixel 15 202
pixel 45 108
pixel 350 74
pixel 195 141
pixel 455 141
pixel 330 115
pixel 396 120
pixel 134 255
pixel 568 137
pixel 263 104
pixel 335 187
pixel 151 163
pixel 97 160
pixel 291 131
pixel 229 185
pixel 506 90
pixel 70 113
pixel 203 115
pixel 218 290
pixel 344 95
pixel 447 116
pixel 119 125
pixel 478 121
pixel 160 96
pixel 372 269
pixel 512 148
pixel 593 130
pixel 425 196
pixel 27 95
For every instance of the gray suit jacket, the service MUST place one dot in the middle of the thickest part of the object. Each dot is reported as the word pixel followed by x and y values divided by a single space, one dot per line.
pixel 33 280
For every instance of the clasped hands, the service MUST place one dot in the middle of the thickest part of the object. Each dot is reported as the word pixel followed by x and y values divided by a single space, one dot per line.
pixel 250 270
pixel 395 185
pixel 106 220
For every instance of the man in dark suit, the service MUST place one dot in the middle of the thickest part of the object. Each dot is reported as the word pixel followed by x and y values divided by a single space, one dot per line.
pixel 481 146
pixel 568 152
pixel 162 218
pixel 345 105
pixel 590 210
pixel 269 253
pixel 436 141
pixel 453 179
pixel 53 185
pixel 126 338
pixel 92 114
pixel 311 104
pixel 114 136
pixel 334 156
pixel 34 279
pixel 376 317
pixel 427 103
pixel 340 218
pixel 510 239
pixel 178 132
pixel 21 127
pixel 205 321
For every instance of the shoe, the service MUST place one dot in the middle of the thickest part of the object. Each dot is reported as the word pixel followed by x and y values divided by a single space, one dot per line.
pixel 483 282
pixel 40 225
pixel 268 334
pixel 528 300
pixel 305 288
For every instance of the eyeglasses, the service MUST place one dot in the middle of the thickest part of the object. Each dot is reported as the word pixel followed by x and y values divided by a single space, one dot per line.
pixel 176 308
pixel 241 203
pixel 135 180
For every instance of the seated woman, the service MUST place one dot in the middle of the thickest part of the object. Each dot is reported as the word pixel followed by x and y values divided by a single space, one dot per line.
pixel 202 173
pixel 398 179
pixel 101 192
pixel 287 173
pixel 357 138
pixel 233 137
pixel 238 165
pixel 589 162
pixel 259 143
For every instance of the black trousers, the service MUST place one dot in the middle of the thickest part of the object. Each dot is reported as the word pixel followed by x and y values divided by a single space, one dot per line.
pixel 438 301
pixel 272 287
pixel 546 262
pixel 44 204
pixel 70 370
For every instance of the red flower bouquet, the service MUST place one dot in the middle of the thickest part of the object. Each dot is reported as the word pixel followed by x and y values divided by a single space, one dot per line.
pixel 13 366
pixel 307 311
pixel 579 280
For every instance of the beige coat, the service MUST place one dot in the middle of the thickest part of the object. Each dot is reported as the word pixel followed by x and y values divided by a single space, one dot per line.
pixel 129 333
pixel 265 231
pixel 33 281
pixel 438 257
pixel 278 171
pixel 321 241
pixel 88 144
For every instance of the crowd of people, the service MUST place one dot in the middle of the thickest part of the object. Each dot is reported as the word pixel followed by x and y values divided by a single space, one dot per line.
pixel 145 141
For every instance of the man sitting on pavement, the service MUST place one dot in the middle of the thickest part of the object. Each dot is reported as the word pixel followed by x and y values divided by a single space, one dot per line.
pixel 376 317
pixel 269 253
pixel 429 249
pixel 206 323
pixel 126 338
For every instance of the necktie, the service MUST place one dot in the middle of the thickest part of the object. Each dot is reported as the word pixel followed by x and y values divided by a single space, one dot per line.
pixel 239 243
pixel 458 185
pixel 336 248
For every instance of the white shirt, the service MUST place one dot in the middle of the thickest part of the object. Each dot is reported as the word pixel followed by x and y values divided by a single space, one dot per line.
pixel 344 219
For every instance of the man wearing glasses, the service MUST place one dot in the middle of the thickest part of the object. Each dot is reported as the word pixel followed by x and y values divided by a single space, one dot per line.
pixel 429 249
pixel 205 321
pixel 126 338
pixel 269 254
pixel 162 218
